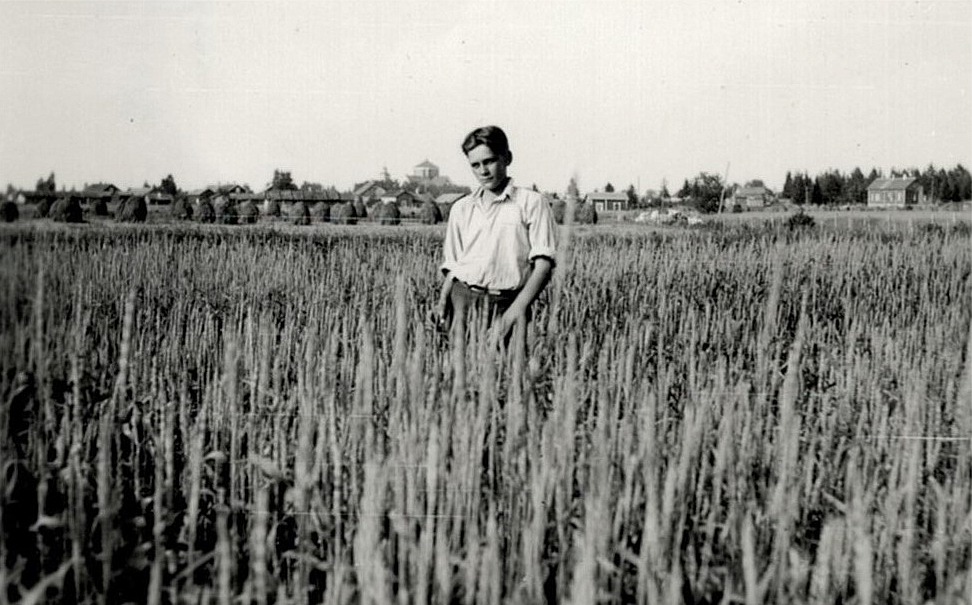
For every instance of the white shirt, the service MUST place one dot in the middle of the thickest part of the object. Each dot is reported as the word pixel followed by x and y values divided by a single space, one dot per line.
pixel 491 243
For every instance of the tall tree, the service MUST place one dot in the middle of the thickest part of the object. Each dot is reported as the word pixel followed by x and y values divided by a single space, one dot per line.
pixel 706 192
pixel 168 186
pixel 685 191
pixel 928 183
pixel 802 189
pixel 831 185
pixel 632 194
pixel 855 190
pixel 788 186
pixel 962 185
pixel 47 185
pixel 816 195
pixel 944 186
pixel 282 181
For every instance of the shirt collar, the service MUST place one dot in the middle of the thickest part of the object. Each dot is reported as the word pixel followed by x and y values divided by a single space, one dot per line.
pixel 506 194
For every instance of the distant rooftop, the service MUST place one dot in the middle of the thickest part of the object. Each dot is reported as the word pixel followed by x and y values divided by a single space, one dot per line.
pixel 894 184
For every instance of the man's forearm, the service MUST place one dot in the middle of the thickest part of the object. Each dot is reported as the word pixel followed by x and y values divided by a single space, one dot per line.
pixel 535 283
pixel 446 289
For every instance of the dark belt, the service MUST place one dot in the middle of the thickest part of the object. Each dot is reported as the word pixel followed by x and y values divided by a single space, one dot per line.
pixel 490 291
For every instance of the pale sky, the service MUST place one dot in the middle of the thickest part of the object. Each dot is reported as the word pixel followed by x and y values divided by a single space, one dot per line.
pixel 630 92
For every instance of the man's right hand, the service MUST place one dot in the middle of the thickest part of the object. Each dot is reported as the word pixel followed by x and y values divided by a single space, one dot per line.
pixel 440 315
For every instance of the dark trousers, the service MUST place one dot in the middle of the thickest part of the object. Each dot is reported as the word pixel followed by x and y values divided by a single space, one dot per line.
pixel 473 309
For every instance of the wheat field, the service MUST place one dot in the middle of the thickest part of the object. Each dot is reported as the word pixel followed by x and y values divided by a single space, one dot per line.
pixel 738 414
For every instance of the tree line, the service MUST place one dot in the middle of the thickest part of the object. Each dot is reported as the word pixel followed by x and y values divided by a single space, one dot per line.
pixel 835 188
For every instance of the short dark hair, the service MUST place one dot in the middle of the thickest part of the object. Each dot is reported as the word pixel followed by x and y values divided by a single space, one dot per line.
pixel 490 136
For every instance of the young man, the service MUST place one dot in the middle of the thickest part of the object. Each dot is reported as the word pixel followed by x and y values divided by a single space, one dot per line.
pixel 499 246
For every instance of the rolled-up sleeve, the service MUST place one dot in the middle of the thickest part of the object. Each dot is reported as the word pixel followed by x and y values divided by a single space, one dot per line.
pixel 452 245
pixel 542 229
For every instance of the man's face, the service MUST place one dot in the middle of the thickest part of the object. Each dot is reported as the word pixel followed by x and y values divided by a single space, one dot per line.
pixel 489 167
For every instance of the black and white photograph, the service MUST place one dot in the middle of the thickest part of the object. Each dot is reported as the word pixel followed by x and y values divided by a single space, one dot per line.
pixel 592 302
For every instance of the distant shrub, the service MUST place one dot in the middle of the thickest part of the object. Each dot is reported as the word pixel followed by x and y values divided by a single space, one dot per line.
pixel 67 210
pixel 132 210
pixel 800 220
pixel 389 214
pixel 320 212
pixel 99 207
pixel 559 209
pixel 737 208
pixel 43 208
pixel 204 212
pixel 271 208
pixel 300 213
pixel 360 210
pixel 181 209
pixel 9 211
pixel 585 214
pixel 344 214
pixel 430 214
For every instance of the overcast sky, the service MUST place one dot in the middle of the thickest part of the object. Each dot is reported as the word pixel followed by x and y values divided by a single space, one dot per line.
pixel 630 92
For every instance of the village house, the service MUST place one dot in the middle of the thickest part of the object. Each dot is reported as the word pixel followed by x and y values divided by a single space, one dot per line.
pixel 400 198
pixel 141 193
pixel 752 197
pixel 200 194
pixel 424 198
pixel 370 191
pixel 229 189
pixel 99 191
pixel 893 193
pixel 609 200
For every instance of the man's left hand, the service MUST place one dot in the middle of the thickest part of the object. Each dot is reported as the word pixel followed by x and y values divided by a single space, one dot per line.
pixel 501 329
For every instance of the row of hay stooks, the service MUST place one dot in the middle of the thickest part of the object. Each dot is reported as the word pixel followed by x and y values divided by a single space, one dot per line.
pixel 71 206
pixel 234 205
pixel 96 200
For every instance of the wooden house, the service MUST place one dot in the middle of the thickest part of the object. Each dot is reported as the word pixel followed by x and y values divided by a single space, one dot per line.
pixel 99 191
pixel 401 198
pixel 370 191
pixel 893 193
pixel 200 194
pixel 609 200
pixel 752 197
